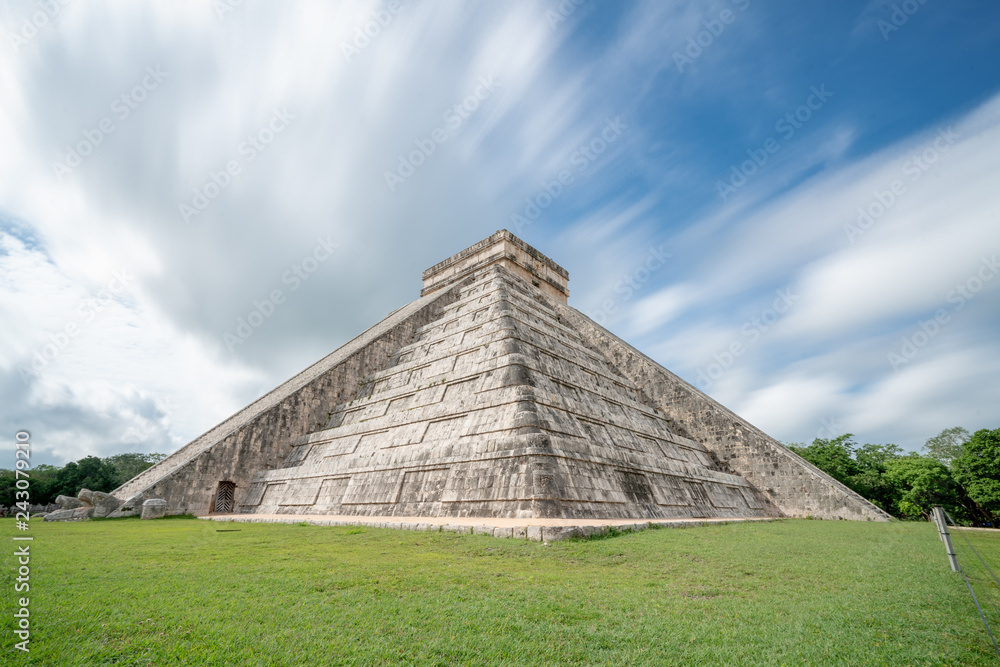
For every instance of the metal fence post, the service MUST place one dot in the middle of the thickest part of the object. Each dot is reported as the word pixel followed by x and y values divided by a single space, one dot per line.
pixel 936 517
pixel 945 536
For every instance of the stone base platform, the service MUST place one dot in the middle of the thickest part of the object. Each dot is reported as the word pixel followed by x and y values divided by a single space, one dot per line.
pixel 538 530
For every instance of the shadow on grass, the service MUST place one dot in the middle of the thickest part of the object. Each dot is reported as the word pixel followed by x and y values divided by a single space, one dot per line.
pixel 612 532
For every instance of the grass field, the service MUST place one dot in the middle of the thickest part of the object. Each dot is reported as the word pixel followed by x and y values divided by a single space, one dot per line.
pixel 180 592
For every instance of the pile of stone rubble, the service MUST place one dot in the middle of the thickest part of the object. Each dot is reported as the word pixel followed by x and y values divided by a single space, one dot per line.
pixel 95 504
pixel 36 510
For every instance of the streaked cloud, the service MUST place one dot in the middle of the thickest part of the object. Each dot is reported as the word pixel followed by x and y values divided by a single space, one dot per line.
pixel 166 99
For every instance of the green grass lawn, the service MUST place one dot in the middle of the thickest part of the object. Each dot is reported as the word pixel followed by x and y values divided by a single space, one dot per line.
pixel 179 592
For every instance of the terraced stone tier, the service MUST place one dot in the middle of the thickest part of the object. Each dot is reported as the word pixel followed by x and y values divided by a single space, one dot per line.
pixel 491 397
pixel 497 409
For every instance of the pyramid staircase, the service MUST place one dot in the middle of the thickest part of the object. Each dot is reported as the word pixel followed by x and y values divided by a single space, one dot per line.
pixel 498 409
pixel 489 396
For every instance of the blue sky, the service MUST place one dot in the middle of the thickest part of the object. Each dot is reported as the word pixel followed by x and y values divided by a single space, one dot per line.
pixel 794 207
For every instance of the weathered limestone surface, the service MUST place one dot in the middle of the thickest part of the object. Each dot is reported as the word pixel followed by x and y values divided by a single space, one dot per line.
pixel 130 507
pixel 88 504
pixel 490 397
pixel 259 436
pixel 507 250
pixel 104 503
pixel 77 514
pixel 154 508
pixel 69 503
pixel 498 409
pixel 794 485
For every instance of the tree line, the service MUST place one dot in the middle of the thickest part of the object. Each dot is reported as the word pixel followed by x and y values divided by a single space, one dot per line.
pixel 97 474
pixel 957 470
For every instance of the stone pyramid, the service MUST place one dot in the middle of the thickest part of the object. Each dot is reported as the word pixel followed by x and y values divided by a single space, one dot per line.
pixel 490 397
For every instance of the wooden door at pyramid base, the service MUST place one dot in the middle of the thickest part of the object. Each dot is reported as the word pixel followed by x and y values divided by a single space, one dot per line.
pixel 223 501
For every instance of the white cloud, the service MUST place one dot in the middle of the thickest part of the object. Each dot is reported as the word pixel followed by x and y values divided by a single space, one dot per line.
pixel 659 308
pixel 95 371
pixel 161 342
pixel 154 363
pixel 857 302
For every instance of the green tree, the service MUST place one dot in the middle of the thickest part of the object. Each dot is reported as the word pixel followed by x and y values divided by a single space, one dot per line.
pixel 127 466
pixel 833 456
pixel 906 486
pixel 877 456
pixel 88 473
pixel 871 479
pixel 43 484
pixel 41 490
pixel 48 482
pixel 861 469
pixel 977 469
pixel 7 487
pixel 946 445
pixel 923 482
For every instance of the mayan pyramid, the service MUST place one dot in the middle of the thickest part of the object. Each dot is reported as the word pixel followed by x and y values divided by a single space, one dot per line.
pixel 489 396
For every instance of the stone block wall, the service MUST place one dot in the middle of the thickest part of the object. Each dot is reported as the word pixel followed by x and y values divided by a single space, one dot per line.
pixel 498 410
pixel 260 436
pixel 794 485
